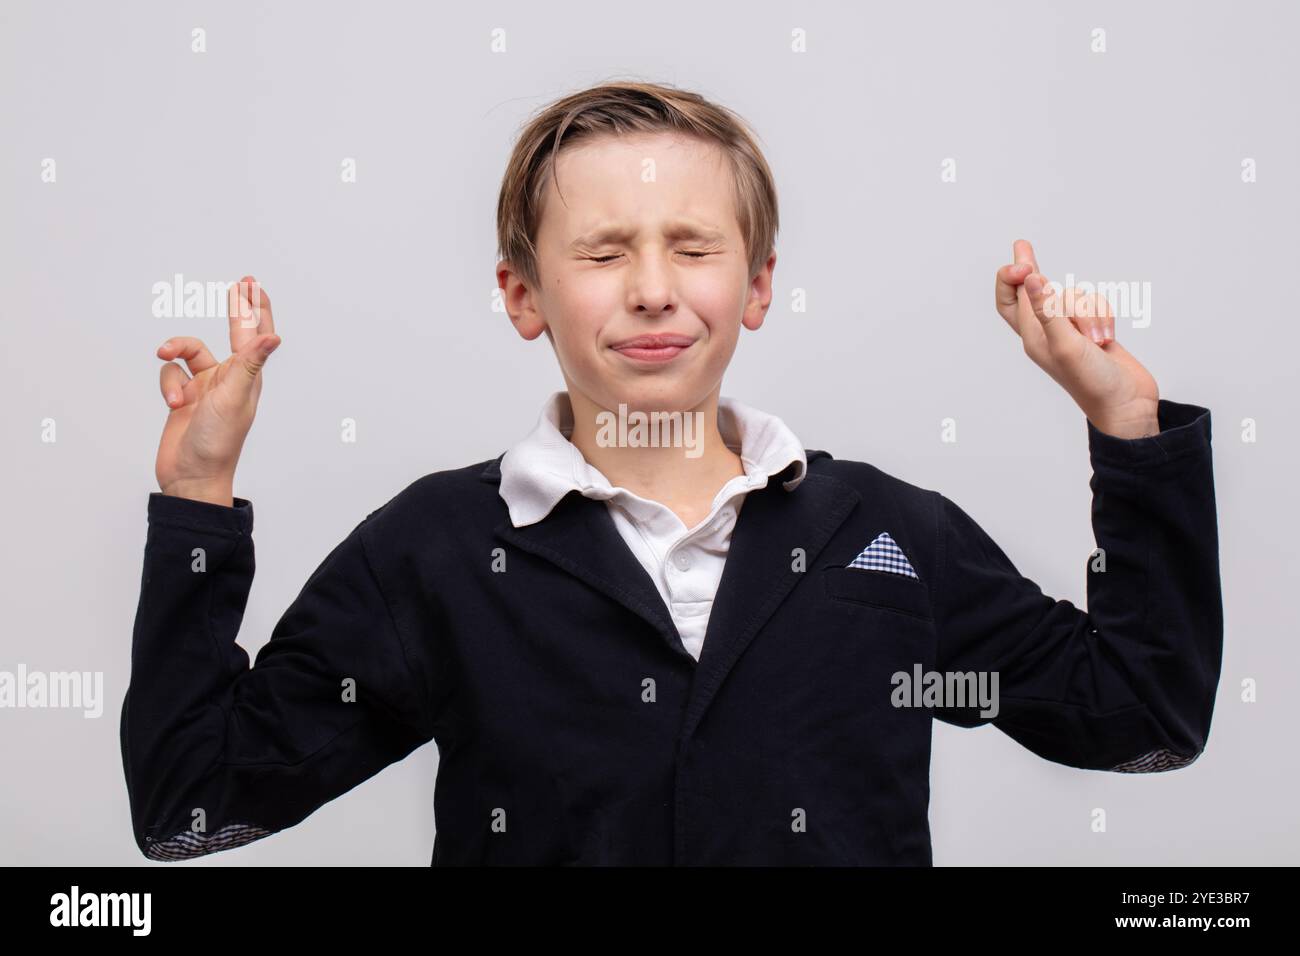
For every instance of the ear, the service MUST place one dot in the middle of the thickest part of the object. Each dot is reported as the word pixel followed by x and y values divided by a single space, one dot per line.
pixel 518 300
pixel 760 295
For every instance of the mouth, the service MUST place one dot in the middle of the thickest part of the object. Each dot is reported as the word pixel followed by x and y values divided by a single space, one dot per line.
pixel 654 348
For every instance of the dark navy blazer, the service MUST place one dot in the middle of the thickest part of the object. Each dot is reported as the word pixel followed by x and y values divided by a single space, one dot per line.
pixel 573 727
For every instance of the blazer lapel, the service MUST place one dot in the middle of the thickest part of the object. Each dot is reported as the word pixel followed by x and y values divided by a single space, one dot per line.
pixel 579 537
pixel 758 574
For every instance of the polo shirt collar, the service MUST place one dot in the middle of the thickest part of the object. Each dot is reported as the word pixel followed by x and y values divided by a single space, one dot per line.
pixel 545 465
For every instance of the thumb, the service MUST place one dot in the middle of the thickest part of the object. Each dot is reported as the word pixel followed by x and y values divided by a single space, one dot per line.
pixel 250 359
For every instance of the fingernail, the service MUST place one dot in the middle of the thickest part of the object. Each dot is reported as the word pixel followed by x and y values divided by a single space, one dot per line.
pixel 165 344
pixel 1097 336
pixel 172 398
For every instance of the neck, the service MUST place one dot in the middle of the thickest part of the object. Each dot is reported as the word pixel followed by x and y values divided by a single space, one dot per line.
pixel 672 474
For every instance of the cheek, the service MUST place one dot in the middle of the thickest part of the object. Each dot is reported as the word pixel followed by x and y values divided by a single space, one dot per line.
pixel 576 317
pixel 716 298
pixel 583 303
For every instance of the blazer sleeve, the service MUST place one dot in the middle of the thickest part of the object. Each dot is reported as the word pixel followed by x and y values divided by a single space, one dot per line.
pixel 1128 685
pixel 218 754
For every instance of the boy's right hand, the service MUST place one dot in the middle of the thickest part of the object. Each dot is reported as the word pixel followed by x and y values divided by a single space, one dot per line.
pixel 212 412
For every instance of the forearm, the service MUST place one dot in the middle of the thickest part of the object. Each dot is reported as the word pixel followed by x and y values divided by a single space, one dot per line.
pixel 198 569
pixel 1157 603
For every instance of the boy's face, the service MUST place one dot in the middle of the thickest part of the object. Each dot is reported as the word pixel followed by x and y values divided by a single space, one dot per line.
pixel 645 241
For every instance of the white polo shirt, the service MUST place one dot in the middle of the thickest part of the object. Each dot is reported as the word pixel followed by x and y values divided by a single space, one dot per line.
pixel 685 563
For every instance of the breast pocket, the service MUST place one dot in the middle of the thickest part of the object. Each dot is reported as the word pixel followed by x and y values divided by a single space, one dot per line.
pixel 879 589
pixel 878 626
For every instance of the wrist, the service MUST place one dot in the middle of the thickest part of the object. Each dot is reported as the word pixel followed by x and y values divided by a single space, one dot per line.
pixel 1133 428
pixel 1138 418
pixel 218 492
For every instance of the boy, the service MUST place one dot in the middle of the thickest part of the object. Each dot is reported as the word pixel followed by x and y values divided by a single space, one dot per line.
pixel 636 651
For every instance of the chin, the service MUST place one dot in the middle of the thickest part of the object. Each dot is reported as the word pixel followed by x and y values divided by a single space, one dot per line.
pixel 656 396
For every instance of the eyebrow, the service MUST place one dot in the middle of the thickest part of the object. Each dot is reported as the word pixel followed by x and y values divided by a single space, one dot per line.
pixel 679 229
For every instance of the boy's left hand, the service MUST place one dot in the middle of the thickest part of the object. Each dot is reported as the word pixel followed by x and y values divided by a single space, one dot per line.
pixel 1071 337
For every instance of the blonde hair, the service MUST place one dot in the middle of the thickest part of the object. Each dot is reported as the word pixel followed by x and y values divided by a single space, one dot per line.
pixel 627 108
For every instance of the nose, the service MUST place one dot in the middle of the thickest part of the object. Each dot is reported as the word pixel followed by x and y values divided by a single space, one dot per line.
pixel 650 291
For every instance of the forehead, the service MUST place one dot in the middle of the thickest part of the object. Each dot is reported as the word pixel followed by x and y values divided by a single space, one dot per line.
pixel 626 179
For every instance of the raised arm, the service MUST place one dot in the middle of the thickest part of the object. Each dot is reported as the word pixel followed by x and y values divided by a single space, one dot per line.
pixel 216 753
pixel 1129 684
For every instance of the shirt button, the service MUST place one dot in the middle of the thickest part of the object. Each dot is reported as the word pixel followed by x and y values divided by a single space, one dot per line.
pixel 682 560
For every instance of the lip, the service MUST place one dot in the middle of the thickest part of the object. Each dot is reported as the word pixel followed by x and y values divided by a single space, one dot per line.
pixel 660 340
pixel 660 347
pixel 654 349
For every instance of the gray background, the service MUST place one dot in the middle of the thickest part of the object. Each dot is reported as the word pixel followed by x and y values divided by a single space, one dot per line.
pixel 1117 166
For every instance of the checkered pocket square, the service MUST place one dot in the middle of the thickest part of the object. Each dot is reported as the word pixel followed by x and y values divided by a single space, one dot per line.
pixel 884 554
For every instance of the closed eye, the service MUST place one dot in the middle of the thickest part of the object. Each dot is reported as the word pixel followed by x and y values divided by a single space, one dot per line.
pixel 604 259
